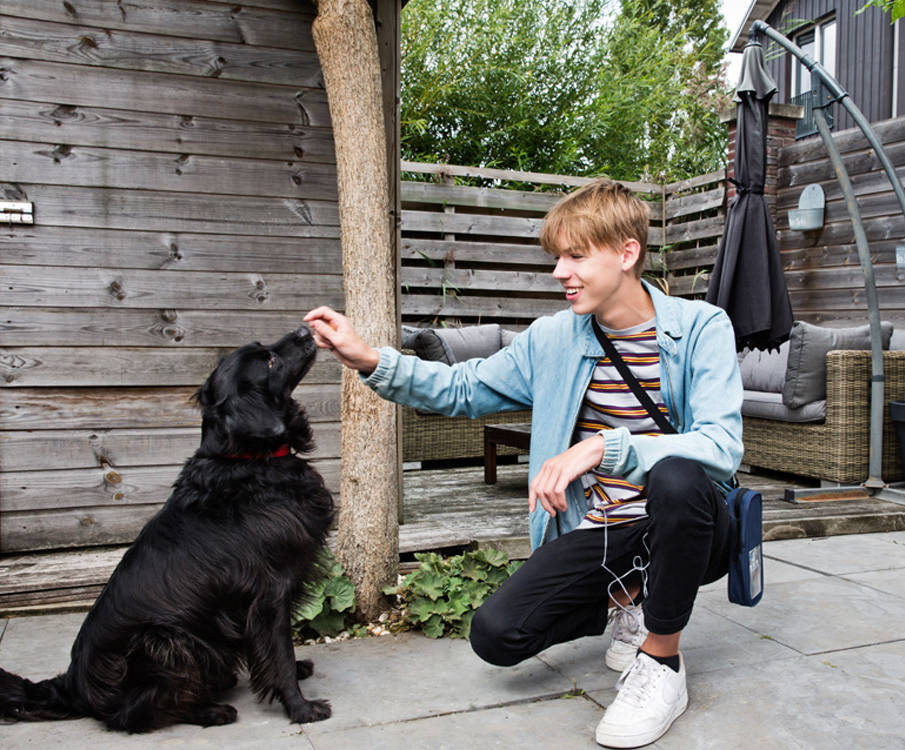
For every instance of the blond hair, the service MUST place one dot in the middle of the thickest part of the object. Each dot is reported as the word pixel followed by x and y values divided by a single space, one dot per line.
pixel 602 213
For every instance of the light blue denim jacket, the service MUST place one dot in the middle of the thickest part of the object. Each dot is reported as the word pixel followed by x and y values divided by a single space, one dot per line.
pixel 548 368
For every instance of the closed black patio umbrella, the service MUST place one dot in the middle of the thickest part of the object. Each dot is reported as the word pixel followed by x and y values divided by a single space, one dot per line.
pixel 747 280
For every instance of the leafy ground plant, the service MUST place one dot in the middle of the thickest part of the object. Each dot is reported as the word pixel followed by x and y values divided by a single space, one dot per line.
pixel 326 605
pixel 441 596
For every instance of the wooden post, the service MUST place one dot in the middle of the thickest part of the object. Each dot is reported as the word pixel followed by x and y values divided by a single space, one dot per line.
pixel 368 533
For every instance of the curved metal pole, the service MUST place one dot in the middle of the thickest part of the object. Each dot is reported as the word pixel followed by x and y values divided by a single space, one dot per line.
pixel 875 465
pixel 874 480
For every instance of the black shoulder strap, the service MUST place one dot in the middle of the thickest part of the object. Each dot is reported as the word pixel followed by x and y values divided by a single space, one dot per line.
pixel 631 381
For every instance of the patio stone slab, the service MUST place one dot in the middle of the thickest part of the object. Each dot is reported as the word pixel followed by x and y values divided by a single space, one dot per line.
pixel 817 615
pixel 852 553
pixel 556 723
pixel 373 681
pixel 891 582
pixel 803 703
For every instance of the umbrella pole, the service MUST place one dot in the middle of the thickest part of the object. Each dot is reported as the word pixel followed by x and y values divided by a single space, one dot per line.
pixel 874 483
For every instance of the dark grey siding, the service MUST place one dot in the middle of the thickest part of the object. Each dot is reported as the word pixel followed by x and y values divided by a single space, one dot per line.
pixel 864 63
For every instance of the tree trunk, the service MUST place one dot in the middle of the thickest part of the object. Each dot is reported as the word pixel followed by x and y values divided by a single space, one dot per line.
pixel 368 533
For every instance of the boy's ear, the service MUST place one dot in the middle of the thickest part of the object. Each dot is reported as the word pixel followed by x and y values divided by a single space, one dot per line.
pixel 631 250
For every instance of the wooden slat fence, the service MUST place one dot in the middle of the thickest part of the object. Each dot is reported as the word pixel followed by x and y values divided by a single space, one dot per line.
pixel 470 254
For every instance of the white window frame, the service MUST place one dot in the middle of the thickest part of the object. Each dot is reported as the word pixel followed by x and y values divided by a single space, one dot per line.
pixel 825 53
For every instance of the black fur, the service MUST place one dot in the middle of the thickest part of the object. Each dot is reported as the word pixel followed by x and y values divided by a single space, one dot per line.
pixel 207 586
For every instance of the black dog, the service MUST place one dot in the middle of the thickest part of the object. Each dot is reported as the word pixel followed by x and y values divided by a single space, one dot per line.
pixel 207 586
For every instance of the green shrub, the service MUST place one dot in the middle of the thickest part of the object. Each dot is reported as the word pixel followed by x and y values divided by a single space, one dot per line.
pixel 326 605
pixel 441 596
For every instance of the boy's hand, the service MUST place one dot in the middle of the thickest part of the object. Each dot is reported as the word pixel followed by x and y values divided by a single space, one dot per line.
pixel 334 332
pixel 549 485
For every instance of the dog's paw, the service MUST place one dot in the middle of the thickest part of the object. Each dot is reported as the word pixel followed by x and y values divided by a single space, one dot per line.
pixel 303 668
pixel 311 711
pixel 217 714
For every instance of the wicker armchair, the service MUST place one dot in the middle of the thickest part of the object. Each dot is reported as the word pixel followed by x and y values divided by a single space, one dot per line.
pixel 434 437
pixel 836 449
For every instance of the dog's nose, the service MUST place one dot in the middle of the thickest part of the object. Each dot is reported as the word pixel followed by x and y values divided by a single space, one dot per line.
pixel 303 331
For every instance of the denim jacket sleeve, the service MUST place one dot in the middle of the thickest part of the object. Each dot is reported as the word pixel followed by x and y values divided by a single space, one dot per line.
pixel 706 409
pixel 472 388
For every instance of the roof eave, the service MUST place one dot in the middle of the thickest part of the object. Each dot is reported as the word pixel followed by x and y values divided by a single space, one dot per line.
pixel 758 10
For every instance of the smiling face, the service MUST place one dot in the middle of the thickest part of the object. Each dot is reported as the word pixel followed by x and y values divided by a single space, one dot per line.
pixel 595 277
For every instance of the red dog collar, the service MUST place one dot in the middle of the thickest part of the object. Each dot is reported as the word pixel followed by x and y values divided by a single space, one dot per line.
pixel 283 450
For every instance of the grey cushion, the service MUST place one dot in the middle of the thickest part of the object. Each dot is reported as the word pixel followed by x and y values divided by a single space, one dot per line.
pixel 506 337
pixel 451 345
pixel 765 371
pixel 808 346
pixel 770 406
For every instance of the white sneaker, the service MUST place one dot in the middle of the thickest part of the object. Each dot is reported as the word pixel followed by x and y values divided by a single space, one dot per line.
pixel 628 634
pixel 650 698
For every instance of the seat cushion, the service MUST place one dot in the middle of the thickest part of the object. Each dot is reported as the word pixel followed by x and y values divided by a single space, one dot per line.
pixel 451 345
pixel 765 371
pixel 766 405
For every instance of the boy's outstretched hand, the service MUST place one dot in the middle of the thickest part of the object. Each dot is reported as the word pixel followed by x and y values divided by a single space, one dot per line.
pixel 334 332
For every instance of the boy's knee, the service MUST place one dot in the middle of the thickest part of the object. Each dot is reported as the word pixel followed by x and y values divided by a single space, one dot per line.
pixel 491 639
pixel 677 484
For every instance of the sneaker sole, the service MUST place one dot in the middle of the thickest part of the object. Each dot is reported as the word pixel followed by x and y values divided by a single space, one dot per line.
pixel 640 739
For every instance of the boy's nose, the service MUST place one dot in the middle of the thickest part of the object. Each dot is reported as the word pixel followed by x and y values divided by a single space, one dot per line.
pixel 559 270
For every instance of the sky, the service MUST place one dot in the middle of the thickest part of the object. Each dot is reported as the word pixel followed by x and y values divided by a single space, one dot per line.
pixel 733 13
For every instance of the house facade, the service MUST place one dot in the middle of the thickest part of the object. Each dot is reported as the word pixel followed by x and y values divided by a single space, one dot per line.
pixel 864 52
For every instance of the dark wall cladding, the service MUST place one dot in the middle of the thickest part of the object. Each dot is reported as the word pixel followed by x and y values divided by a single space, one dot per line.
pixel 864 57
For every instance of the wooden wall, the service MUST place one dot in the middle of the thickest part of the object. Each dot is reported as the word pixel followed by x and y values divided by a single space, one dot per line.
pixel 179 158
pixel 471 255
pixel 822 267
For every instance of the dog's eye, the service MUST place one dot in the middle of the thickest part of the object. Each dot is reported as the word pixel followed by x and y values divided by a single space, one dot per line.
pixel 271 362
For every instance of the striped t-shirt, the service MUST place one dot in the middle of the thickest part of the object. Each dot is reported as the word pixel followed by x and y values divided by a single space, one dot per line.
pixel 609 403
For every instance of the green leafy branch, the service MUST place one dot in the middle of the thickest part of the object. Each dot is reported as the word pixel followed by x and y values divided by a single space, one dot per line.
pixel 326 605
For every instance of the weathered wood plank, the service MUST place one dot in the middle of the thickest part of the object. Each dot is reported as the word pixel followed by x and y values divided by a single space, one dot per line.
pixel 136 288
pixel 456 306
pixel 72 570
pixel 695 203
pixel 475 197
pixel 695 182
pixel 473 281
pixel 124 50
pixel 242 24
pixel 83 449
pixel 892 304
pixel 176 212
pixel 131 408
pixel 56 326
pixel 30 491
pixel 123 366
pixel 84 86
pixel 857 164
pixel 461 223
pixel 174 251
pixel 151 131
pixel 888 131
pixel 683 286
pixel 30 162
pixel 877 228
pixel 695 230
pixel 677 260
pixel 72 527
pixel 846 277
pixel 414 248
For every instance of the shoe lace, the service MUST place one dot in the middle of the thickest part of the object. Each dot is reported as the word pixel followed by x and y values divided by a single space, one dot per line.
pixel 626 621
pixel 638 682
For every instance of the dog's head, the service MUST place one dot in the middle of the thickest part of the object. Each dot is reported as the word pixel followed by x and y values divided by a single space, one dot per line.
pixel 246 403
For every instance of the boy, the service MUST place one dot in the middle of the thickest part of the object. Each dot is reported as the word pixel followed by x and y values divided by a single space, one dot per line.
pixel 620 513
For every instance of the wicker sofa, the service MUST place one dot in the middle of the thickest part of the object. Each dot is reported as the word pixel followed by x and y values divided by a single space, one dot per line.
pixel 826 439
pixel 434 437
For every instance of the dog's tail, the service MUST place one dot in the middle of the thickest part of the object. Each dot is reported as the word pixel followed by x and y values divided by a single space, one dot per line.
pixel 24 700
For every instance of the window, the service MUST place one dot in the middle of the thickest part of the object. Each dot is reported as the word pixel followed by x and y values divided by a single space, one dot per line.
pixel 819 41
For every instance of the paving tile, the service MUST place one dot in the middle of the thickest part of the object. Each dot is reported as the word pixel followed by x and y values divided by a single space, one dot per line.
pixel 372 681
pixel 38 646
pixel 798 704
pixel 841 555
pixel 891 582
pixel 821 614
pixel 564 723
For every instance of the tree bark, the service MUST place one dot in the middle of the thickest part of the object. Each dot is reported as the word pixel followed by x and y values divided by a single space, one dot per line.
pixel 368 532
